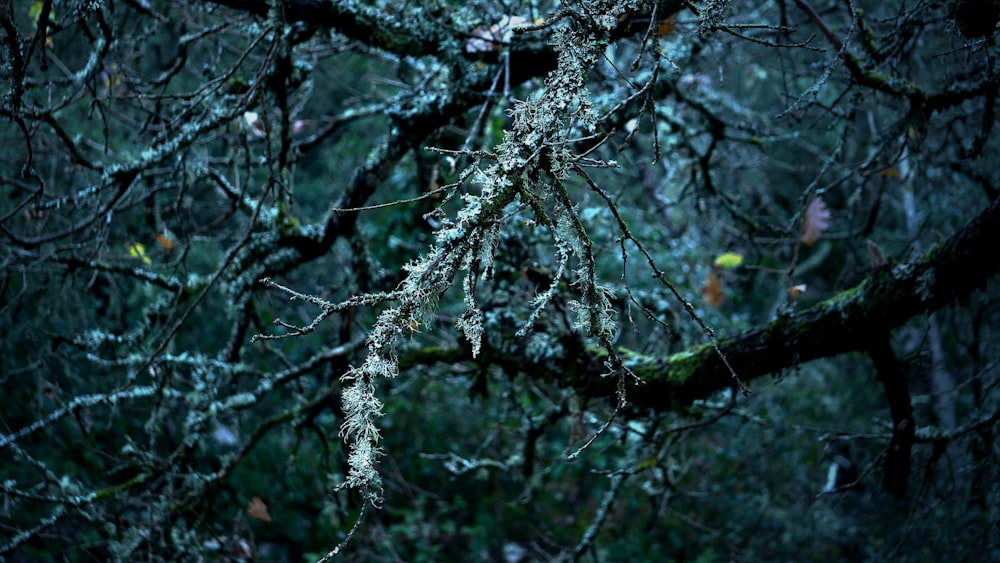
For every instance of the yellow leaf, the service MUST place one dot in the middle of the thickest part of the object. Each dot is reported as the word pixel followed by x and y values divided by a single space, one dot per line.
pixel 729 260
pixel 138 251
pixel 712 292
pixel 35 13
pixel 816 221
pixel 257 509
pixel 890 172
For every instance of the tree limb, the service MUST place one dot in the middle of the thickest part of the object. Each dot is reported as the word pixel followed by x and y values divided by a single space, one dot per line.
pixel 848 322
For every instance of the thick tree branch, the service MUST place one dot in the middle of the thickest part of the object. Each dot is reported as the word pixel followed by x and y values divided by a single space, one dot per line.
pixel 371 26
pixel 848 322
pixel 417 118
pixel 432 34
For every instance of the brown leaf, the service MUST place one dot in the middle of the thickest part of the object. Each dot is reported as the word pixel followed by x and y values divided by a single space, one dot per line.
pixel 257 509
pixel 816 221
pixel 796 290
pixel 666 27
pixel 875 255
pixel 165 241
pixel 712 291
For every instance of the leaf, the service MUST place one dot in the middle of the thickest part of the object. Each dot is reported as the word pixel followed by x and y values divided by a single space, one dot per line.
pixel 138 250
pixel 165 241
pixel 254 124
pixel 729 260
pixel 796 290
pixel 665 27
pixel 890 172
pixel 712 291
pixel 816 221
pixel 35 13
pixel 257 509
pixel 875 255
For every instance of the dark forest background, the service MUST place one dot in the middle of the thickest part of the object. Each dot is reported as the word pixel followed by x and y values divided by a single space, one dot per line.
pixel 499 280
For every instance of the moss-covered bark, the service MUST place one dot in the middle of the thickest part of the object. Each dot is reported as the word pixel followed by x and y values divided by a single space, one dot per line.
pixel 847 322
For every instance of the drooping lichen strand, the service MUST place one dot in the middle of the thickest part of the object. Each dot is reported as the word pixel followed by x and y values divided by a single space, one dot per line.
pixel 531 163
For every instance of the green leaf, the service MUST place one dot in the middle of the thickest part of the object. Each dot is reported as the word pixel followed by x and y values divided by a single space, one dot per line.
pixel 729 260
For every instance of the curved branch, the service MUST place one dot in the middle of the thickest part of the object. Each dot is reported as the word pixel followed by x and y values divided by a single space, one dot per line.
pixel 847 322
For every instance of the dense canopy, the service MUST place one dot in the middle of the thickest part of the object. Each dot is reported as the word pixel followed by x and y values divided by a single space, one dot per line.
pixel 512 281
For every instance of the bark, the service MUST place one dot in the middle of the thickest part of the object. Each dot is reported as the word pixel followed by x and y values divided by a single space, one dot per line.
pixel 892 374
pixel 848 322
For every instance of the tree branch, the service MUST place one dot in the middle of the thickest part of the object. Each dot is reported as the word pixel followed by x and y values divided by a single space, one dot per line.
pixel 847 322
pixel 891 373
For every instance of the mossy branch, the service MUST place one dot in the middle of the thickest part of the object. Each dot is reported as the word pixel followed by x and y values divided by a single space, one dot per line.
pixel 846 322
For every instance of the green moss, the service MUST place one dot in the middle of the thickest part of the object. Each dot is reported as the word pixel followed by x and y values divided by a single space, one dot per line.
pixel 846 297
pixel 677 368
pixel 680 366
